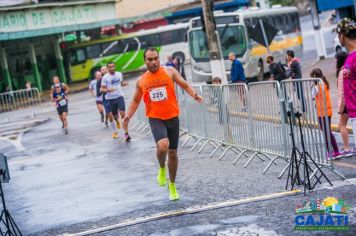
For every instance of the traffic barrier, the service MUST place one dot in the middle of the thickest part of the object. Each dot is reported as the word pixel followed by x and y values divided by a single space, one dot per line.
pixel 251 121
pixel 268 129
pixel 20 103
pixel 300 96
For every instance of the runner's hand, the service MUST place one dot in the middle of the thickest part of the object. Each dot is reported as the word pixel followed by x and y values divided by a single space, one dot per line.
pixel 125 121
pixel 124 83
pixel 199 99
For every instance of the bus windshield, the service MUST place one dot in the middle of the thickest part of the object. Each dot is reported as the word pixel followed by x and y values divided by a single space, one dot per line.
pixel 232 40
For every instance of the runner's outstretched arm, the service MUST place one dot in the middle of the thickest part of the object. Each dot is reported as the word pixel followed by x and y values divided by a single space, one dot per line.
pixel 134 105
pixel 66 89
pixel 184 85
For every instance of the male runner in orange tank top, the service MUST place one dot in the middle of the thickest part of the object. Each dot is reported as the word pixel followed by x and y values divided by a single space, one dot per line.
pixel 156 87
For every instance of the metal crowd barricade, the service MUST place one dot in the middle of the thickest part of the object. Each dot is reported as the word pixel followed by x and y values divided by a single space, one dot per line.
pixel 20 103
pixel 215 117
pixel 196 120
pixel 181 97
pixel 268 128
pixel 299 96
pixel 142 124
pixel 238 121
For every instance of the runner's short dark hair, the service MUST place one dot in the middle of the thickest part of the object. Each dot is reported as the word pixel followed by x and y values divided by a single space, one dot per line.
pixel 270 57
pixel 290 53
pixel 217 80
pixel 151 49
pixel 110 62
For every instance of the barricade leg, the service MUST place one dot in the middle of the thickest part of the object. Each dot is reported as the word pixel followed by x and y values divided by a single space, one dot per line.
pixel 252 157
pixel 240 155
pixel 217 147
pixel 272 161
pixel 197 142
pixel 186 141
pixel 283 171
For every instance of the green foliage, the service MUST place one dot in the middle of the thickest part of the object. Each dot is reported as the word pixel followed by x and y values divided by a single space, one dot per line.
pixel 282 2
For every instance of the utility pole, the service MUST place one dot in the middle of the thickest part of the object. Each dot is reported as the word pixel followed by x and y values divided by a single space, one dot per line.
pixel 319 37
pixel 216 59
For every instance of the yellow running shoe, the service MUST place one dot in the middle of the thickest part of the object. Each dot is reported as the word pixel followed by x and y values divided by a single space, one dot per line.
pixel 118 124
pixel 173 193
pixel 115 135
pixel 161 176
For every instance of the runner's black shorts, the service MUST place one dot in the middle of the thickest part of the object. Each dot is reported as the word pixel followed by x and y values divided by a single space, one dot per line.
pixel 62 109
pixel 115 105
pixel 166 129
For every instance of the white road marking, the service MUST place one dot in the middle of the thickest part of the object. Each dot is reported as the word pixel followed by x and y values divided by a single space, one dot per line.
pixel 186 211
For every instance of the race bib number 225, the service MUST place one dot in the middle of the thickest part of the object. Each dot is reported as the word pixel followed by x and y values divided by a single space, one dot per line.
pixel 158 94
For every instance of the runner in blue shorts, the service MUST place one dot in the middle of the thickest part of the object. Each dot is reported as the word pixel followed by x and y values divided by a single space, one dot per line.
pixel 111 85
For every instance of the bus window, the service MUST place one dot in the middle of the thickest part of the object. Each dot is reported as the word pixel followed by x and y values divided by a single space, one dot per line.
pixel 296 24
pixel 285 23
pixel 199 46
pixel 174 36
pixel 278 22
pixel 270 20
pixel 147 41
pixel 110 48
pixel 232 40
pixel 93 51
pixel 131 44
pixel 77 56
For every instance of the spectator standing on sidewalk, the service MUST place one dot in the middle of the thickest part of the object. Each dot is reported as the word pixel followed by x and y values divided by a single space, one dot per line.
pixel 170 61
pixel 237 76
pixel 346 30
pixel 295 72
pixel 341 108
pixel 324 124
pixel 275 69
pixel 179 67
pixel 237 71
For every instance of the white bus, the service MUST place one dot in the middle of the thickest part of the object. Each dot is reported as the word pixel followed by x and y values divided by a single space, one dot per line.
pixel 238 31
pixel 126 50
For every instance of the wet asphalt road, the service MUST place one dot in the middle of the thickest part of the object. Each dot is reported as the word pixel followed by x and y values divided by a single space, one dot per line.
pixel 86 180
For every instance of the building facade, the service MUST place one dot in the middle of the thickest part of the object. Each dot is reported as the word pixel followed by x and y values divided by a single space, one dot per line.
pixel 31 35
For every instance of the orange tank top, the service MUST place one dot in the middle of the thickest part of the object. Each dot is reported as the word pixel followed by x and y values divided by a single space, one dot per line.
pixel 319 100
pixel 159 95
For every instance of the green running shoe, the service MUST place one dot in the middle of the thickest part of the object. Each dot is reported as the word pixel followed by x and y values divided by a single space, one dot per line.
pixel 173 193
pixel 161 176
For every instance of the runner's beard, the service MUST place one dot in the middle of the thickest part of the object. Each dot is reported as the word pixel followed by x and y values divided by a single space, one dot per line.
pixel 153 68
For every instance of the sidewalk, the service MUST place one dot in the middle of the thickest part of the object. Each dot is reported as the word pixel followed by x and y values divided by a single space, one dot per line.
pixel 328 66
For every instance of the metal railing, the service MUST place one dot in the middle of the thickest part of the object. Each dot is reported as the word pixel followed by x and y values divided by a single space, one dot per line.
pixel 20 103
pixel 251 121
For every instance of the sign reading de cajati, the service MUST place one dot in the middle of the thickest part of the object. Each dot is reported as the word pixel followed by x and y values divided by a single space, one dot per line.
pixel 33 19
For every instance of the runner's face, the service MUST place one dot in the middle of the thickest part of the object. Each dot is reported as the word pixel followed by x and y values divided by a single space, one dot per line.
pixel 55 80
pixel 152 61
pixel 104 70
pixel 98 75
pixel 58 89
pixel 111 68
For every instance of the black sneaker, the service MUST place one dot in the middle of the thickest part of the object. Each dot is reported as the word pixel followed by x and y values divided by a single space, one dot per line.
pixel 127 138
pixel 65 131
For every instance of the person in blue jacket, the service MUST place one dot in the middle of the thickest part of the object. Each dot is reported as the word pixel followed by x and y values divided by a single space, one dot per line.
pixel 237 71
